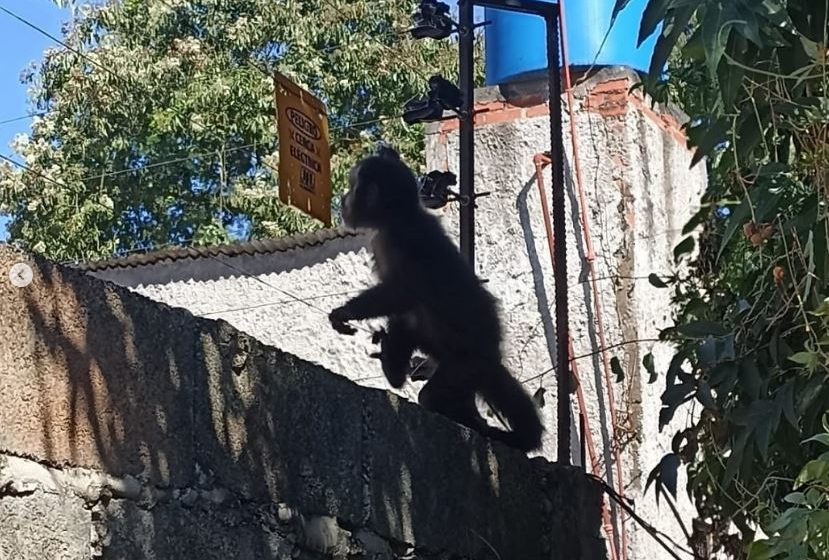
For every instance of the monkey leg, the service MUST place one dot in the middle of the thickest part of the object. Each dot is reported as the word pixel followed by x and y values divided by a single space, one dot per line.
pixel 396 348
pixel 452 391
pixel 448 394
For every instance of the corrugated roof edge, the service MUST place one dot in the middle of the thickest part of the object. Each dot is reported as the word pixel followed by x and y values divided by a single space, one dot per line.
pixel 258 247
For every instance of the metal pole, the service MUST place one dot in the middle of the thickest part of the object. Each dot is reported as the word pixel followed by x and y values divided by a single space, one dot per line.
pixel 467 130
pixel 583 441
pixel 560 235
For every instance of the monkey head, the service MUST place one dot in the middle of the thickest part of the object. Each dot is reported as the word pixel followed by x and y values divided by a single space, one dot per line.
pixel 382 191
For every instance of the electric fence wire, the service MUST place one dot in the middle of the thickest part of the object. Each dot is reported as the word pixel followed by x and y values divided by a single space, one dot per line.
pixel 276 303
pixel 294 297
pixel 186 157
pixel 65 45
pixel 590 354
pixel 358 124
pixel 386 48
pixel 664 540
pixel 21 118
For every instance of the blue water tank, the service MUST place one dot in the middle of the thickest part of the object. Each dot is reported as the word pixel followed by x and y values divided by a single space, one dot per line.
pixel 516 43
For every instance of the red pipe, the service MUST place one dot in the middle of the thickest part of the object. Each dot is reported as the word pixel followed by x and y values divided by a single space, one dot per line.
pixel 540 160
pixel 591 257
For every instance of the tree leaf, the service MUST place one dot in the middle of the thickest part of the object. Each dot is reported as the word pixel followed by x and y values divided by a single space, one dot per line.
pixel 768 201
pixel 821 438
pixel 653 14
pixel 734 460
pixel 759 550
pixel 714 33
pixel 821 242
pixel 683 248
pixel 648 363
pixel 171 166
pixel 814 471
pixel 809 360
pixel 735 221
pixel 730 76
pixel 789 517
pixel 702 329
pixel 538 397
pixel 656 281
pixel 762 417
pixel 749 27
pixel 785 400
pixel 707 137
pixel 723 377
pixel 666 41
pixel 616 368
pixel 665 475
pixel 705 396
pixel 797 498
pixel 751 125
pixel 617 8
pixel 750 379
pixel 725 348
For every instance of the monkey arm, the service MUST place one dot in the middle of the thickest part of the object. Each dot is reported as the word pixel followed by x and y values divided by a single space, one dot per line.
pixel 381 300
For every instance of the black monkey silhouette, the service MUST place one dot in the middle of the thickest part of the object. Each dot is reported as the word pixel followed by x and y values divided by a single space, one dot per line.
pixel 434 302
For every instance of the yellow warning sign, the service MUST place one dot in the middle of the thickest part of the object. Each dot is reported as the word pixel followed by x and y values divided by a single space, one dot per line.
pixel 304 151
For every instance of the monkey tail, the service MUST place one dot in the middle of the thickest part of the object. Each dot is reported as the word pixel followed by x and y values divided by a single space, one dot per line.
pixel 506 395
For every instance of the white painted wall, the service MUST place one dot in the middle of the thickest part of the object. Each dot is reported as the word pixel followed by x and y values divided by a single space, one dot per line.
pixel 282 299
pixel 640 193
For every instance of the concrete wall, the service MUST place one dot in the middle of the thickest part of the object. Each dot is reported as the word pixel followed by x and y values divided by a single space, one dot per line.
pixel 135 430
pixel 640 192
pixel 281 299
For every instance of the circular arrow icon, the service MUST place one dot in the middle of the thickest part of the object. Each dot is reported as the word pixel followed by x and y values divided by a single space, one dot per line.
pixel 20 275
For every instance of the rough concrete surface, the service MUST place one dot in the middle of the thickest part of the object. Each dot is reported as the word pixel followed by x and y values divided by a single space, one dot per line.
pixel 282 300
pixel 76 376
pixel 39 526
pixel 639 193
pixel 134 430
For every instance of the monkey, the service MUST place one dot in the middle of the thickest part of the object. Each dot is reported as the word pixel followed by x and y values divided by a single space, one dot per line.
pixel 434 302
pixel 397 345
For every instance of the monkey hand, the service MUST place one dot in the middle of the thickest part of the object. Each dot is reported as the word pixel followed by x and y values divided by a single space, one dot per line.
pixel 339 318
pixel 378 336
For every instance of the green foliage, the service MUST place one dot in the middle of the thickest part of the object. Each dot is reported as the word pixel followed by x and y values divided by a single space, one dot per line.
pixel 159 124
pixel 752 316
pixel 802 530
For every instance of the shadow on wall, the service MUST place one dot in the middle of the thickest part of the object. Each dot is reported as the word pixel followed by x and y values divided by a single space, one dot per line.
pixel 545 307
pixel 232 440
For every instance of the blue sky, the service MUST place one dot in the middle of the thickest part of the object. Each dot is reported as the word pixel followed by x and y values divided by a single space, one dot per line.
pixel 21 45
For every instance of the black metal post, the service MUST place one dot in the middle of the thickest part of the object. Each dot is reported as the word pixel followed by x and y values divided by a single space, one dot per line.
pixel 550 13
pixel 560 233
pixel 466 179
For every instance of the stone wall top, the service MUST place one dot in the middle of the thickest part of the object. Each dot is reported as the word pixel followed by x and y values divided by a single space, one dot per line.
pixel 95 377
pixel 605 91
